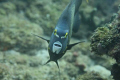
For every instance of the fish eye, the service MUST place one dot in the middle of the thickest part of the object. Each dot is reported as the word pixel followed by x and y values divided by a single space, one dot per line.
pixel 55 33
pixel 65 35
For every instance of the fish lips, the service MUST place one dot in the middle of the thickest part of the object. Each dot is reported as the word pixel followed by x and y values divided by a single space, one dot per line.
pixel 57 46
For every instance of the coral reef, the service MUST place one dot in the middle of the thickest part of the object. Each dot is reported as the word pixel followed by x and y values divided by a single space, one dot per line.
pixel 25 67
pixel 20 18
pixel 46 13
pixel 106 40
pixel 91 76
pixel 4 70
pixel 6 8
pixel 17 33
pixel 116 71
pixel 95 14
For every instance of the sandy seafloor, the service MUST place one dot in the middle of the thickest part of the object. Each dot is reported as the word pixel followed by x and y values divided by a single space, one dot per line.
pixel 22 55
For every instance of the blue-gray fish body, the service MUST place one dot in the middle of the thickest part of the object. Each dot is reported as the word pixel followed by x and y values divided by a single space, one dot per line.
pixel 60 38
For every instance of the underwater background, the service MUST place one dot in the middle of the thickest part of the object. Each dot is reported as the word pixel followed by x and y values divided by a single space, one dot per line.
pixel 23 55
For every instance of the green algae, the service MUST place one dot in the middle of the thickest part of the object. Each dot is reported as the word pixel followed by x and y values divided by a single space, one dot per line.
pixel 4 70
pixel 16 32
pixel 91 76
pixel 107 42
pixel 106 39
pixel 6 8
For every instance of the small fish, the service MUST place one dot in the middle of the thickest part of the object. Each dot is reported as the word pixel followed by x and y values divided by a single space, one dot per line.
pixel 87 1
pixel 59 42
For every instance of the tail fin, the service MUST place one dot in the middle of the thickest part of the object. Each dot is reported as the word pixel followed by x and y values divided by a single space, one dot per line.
pixel 77 5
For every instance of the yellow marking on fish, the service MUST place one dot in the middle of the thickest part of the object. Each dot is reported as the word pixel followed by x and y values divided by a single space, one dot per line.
pixel 55 31
pixel 66 35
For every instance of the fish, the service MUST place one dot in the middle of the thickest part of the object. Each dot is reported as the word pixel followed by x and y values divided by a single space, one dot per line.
pixel 87 1
pixel 68 22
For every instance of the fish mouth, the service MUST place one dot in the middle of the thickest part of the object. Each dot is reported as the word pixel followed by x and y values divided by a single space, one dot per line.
pixel 57 46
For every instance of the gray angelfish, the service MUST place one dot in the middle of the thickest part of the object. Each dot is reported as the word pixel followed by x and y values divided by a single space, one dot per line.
pixel 59 42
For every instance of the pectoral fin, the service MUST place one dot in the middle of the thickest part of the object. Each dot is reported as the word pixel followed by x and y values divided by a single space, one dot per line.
pixel 71 45
pixel 42 38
